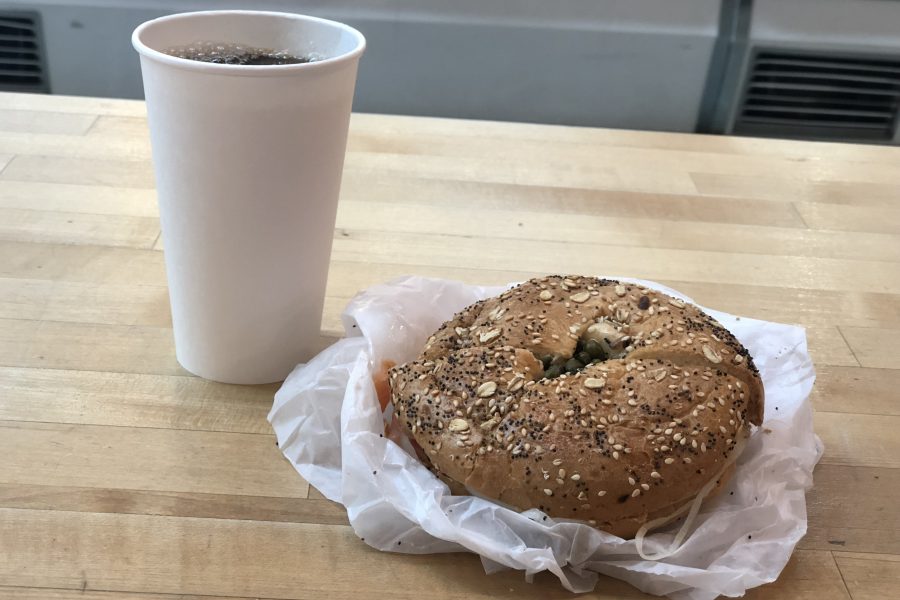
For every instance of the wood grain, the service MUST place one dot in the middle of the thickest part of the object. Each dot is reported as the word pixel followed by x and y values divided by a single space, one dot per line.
pixel 172 504
pixel 133 400
pixel 131 502
pixel 856 390
pixel 819 310
pixel 84 302
pixel 17 224
pixel 87 347
pixel 794 152
pixel 810 307
pixel 827 347
pixel 808 576
pixel 497 170
pixel 93 347
pixel 850 508
pixel 648 263
pixel 788 187
pixel 34 593
pixel 143 458
pixel 72 104
pixel 124 266
pixel 566 157
pixel 37 122
pixel 69 147
pixel 852 218
pixel 874 347
pixel 120 127
pixel 68 262
pixel 870 577
pixel 858 440
pixel 611 201
pixel 148 349
pixel 90 199
pixel 599 226
pixel 241 558
pixel 82 171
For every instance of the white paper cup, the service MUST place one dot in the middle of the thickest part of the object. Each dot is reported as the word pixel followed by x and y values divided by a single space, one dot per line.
pixel 248 163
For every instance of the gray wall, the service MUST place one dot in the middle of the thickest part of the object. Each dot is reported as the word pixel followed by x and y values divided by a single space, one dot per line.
pixel 617 63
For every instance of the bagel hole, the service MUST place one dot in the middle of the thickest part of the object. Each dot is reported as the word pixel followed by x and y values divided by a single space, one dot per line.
pixel 601 341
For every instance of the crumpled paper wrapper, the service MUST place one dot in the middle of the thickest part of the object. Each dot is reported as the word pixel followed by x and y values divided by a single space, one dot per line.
pixel 329 425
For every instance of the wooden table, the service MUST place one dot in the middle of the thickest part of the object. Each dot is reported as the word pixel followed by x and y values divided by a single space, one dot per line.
pixel 121 476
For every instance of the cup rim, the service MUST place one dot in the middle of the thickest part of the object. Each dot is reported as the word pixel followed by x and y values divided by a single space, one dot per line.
pixel 244 70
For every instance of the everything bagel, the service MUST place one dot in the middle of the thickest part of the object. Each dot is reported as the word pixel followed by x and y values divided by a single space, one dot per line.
pixel 587 398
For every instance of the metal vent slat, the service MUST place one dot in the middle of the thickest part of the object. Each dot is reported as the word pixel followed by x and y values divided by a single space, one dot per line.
pixel 775 63
pixel 843 96
pixel 18 53
pixel 814 120
pixel 16 60
pixel 842 101
pixel 18 48
pixel 810 122
pixel 15 37
pixel 24 20
pixel 826 76
pixel 11 28
pixel 25 72
pixel 799 131
pixel 19 83
pixel 812 88
pixel 846 59
pixel 22 67
pixel 824 102
pixel 818 110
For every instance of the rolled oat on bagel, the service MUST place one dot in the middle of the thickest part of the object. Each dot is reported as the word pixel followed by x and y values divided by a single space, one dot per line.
pixel 586 398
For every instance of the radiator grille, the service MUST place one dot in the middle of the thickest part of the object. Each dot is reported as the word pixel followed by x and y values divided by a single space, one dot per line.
pixel 819 96
pixel 22 66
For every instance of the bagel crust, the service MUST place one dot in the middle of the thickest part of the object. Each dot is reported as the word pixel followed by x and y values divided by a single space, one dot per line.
pixel 621 441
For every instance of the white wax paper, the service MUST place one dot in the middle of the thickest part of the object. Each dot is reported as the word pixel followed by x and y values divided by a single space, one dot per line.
pixel 329 425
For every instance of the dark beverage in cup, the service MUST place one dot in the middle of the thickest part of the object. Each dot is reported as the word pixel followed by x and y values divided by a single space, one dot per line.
pixel 228 53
